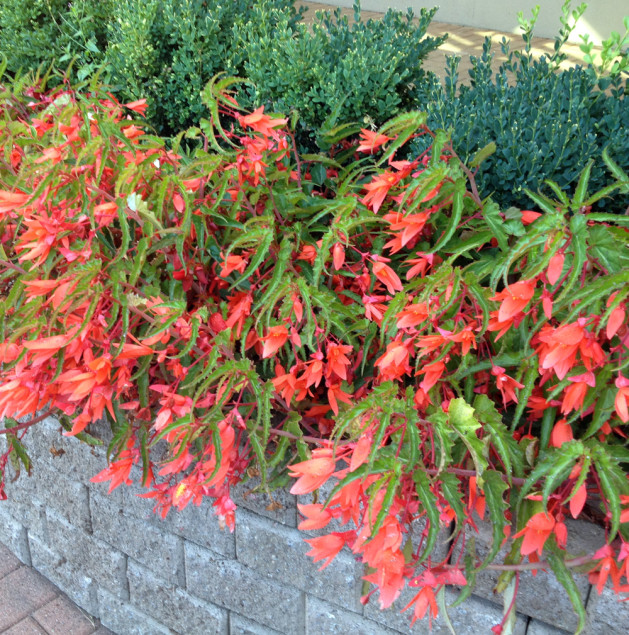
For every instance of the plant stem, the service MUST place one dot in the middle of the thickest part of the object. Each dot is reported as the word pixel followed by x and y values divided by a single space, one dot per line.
pixel 26 424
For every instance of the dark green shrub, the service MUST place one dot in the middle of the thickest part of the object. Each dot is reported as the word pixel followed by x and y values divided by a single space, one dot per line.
pixel 40 32
pixel 366 72
pixel 546 123
pixel 167 50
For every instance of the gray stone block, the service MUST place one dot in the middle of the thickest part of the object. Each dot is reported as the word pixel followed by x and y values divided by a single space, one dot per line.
pixel 67 497
pixel 541 628
pixel 540 596
pixel 474 616
pixel 14 535
pixel 159 551
pixel 173 606
pixel 30 513
pixel 124 619
pixel 234 586
pixel 606 615
pixel 100 561
pixel 69 577
pixel 279 506
pixel 239 625
pixel 198 524
pixel 280 553
pixel 66 455
pixel 323 618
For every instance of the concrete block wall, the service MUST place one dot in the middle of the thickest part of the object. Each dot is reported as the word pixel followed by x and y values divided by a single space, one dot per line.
pixel 142 575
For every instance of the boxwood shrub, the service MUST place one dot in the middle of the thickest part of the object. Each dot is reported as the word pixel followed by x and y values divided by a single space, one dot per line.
pixel 546 123
pixel 167 50
pixel 40 32
pixel 335 72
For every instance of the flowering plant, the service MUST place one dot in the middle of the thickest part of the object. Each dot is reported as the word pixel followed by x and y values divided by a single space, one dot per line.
pixel 350 318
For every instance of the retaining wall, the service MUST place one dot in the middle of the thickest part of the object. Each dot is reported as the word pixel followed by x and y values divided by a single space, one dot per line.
pixel 141 575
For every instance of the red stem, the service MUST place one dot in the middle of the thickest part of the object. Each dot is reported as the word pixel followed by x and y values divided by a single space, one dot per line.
pixel 26 424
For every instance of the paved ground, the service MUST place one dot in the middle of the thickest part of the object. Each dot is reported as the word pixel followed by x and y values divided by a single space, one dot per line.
pixel 31 605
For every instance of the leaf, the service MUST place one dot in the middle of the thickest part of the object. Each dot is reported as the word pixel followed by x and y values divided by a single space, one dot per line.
pixel 530 377
pixel 266 237
pixel 508 597
pixel 20 452
pixel 429 503
pixel 461 417
pixel 181 422
pixel 455 219
pixel 494 488
pixel 614 168
pixel 554 465
pixel 381 467
pixel 566 579
pixel 443 609
pixel 582 186
pixel 392 488
pixel 482 154
pixel 450 490
pixel 578 225
pixel 613 484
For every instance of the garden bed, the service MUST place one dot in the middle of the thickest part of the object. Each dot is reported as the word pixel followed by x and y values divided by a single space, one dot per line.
pixel 423 340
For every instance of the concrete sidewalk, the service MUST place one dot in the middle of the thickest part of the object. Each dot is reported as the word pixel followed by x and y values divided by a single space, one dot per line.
pixel 33 606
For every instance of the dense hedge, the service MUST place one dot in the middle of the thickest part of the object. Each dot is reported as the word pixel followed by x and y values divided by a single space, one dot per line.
pixel 42 32
pixel 335 72
pixel 167 50
pixel 545 124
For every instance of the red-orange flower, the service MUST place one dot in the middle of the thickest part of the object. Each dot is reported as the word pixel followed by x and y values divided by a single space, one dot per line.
pixel 378 189
pixel 313 473
pixel 260 122
pixel 506 385
pixel 555 267
pixel 316 516
pixel 10 201
pixel 561 433
pixel 325 548
pixel 514 299
pixel 537 531
pixel 622 398
pixel 575 393
pixel 412 315
pixel 370 141
pixel 423 601
pixel 387 276
pixel 274 340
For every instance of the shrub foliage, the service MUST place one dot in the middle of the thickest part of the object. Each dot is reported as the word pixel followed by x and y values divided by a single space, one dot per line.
pixel 36 33
pixel 362 319
pixel 334 72
pixel 545 123
pixel 167 50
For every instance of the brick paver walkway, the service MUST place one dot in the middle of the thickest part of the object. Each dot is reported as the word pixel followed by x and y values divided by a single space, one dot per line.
pixel 33 606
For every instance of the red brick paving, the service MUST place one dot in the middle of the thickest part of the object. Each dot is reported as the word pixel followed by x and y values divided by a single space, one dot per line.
pixel 27 626
pixel 61 617
pixel 30 605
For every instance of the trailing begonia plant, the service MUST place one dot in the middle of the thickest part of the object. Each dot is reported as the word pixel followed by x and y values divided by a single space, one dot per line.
pixel 349 319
